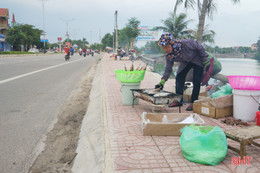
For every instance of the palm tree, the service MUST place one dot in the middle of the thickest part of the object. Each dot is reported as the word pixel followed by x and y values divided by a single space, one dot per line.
pixel 176 25
pixel 208 35
pixel 206 7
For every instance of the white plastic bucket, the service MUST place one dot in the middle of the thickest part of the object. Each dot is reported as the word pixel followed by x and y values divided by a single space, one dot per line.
pixel 245 104
pixel 127 95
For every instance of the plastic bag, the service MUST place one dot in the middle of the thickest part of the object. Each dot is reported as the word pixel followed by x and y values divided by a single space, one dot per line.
pixel 203 144
pixel 223 91
pixel 226 89
pixel 218 93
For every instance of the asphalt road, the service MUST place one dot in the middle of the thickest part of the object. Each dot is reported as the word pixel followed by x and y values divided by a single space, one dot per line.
pixel 32 90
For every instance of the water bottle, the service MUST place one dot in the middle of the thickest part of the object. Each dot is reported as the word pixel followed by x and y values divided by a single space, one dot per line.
pixel 164 119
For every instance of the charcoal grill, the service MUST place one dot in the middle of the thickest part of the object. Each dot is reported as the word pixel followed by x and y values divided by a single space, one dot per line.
pixel 157 97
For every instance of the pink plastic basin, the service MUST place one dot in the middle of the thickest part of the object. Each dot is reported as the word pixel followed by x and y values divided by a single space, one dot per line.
pixel 244 82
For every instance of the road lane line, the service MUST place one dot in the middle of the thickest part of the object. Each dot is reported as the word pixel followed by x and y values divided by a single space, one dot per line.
pixel 37 71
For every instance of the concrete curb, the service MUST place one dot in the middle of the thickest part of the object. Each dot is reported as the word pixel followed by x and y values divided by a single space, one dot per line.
pixel 93 146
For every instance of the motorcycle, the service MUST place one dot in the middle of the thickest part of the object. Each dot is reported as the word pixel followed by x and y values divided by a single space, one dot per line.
pixel 92 53
pixel 84 54
pixel 131 54
pixel 67 57
pixel 80 53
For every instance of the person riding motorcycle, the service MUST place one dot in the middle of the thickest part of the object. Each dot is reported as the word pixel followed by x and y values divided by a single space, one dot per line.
pixel 80 51
pixel 72 51
pixel 84 52
pixel 67 52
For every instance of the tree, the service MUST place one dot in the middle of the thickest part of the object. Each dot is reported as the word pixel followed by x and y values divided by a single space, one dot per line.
pixel 24 34
pixel 208 35
pixel 124 39
pixel 107 41
pixel 96 46
pixel 80 43
pixel 132 30
pixel 152 47
pixel 176 25
pixel 257 55
pixel 207 7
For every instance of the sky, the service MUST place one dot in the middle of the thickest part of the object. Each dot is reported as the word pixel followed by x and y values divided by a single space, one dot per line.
pixel 235 25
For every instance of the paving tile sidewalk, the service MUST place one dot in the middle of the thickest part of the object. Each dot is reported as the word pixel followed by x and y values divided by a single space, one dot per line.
pixel 133 152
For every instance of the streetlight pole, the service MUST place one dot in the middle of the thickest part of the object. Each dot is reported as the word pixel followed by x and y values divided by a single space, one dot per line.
pixel 43 26
pixel 67 24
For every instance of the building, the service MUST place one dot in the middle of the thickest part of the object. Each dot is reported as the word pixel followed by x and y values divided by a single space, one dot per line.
pixel 4 26
pixel 254 46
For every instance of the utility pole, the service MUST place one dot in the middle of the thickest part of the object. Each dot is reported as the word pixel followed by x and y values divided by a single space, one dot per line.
pixel 116 30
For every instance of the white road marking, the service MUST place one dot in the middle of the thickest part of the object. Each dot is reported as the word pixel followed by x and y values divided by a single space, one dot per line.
pixel 37 71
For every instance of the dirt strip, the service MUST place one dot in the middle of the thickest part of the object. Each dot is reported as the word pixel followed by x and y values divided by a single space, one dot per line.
pixel 61 141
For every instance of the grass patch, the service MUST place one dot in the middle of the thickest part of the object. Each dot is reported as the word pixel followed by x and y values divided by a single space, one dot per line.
pixel 15 52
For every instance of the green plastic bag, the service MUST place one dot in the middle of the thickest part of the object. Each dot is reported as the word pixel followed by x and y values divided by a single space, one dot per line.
pixel 226 89
pixel 223 91
pixel 203 144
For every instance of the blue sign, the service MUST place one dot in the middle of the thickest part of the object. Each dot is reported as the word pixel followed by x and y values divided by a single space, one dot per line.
pixel 43 38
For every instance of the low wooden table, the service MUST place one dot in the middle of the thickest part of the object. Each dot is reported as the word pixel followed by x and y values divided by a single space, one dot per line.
pixel 244 136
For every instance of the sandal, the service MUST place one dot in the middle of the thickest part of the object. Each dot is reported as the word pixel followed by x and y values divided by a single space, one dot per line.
pixel 190 107
pixel 175 104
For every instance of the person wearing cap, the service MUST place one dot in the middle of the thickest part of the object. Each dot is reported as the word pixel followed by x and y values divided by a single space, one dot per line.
pixel 191 55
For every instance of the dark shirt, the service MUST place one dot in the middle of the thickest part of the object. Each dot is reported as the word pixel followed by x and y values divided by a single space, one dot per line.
pixel 191 52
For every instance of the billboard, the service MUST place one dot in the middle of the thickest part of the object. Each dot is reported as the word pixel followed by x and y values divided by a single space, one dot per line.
pixel 43 38
pixel 147 34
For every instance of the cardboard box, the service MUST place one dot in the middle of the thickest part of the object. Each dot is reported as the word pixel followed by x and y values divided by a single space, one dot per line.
pixel 187 94
pixel 152 123
pixel 187 98
pixel 214 107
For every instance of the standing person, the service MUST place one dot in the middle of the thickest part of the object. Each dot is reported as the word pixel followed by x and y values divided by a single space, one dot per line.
pixel 208 73
pixel 245 55
pixel 191 55
pixel 119 52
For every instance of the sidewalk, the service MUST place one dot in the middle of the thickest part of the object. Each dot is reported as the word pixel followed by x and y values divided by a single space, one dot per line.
pixel 111 138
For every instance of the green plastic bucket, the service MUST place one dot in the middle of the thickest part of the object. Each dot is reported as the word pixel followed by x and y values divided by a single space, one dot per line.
pixel 127 95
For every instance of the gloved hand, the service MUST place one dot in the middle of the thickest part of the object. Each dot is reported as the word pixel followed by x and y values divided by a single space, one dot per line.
pixel 160 85
pixel 206 63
